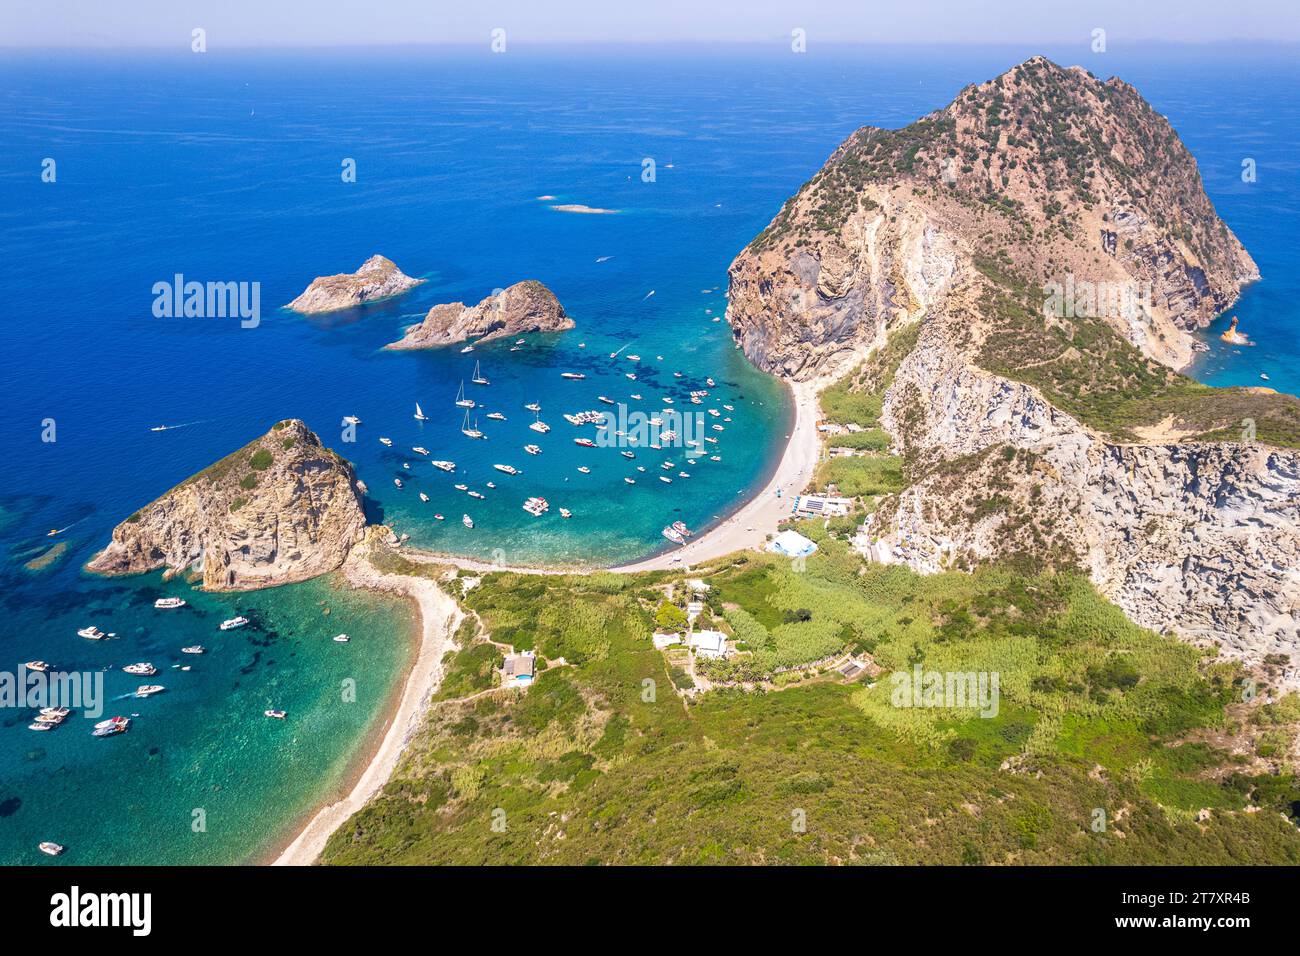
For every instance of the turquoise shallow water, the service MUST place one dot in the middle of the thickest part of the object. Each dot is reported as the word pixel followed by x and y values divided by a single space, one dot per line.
pixel 226 167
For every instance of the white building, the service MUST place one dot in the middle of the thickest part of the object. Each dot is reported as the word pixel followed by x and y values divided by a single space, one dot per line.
pixel 518 669
pixel 662 640
pixel 791 544
pixel 710 644
pixel 822 505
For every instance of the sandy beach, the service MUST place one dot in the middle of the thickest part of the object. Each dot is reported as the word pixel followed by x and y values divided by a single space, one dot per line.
pixel 440 616
pixel 750 526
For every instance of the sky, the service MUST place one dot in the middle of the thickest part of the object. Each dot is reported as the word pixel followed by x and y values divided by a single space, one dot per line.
pixel 313 23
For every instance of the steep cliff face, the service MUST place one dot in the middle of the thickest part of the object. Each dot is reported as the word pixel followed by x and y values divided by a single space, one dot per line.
pixel 1050 173
pixel 1033 420
pixel 1197 538
pixel 378 278
pixel 281 509
pixel 523 307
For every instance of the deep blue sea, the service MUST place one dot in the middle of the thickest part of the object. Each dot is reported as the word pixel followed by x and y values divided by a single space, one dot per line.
pixel 226 167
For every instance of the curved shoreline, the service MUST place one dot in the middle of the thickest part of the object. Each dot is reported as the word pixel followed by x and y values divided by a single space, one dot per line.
pixel 440 616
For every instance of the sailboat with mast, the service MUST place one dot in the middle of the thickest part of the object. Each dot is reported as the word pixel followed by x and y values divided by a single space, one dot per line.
pixel 478 378
pixel 467 431
pixel 419 415
pixel 461 400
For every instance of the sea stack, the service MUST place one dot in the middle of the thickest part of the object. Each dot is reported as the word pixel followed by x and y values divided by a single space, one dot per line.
pixel 526 306
pixel 281 509
pixel 1232 336
pixel 378 278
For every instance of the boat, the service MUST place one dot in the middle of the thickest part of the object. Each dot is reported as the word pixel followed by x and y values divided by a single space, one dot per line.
pixel 423 496
pixel 584 469
pixel 680 528
pixel 461 400
pixel 143 669
pixel 572 375
pixel 508 469
pixel 475 494
pixel 496 416
pixel 673 535
pixel 536 506
pixel 677 374
pixel 467 431
pixel 718 428
pixel 584 442
pixel 478 378
pixel 519 341
pixel 351 420
pixel 715 458
pixel 730 408
pixel 168 602
pixel 148 690
pixel 606 400
pixel 110 727
pixel 193 649
pixel 683 474
pixel 467 521
pixel 1263 376
pixel 640 468
pixel 40 726
pixel 714 412
pixel 50 720
pixel 341 638
pixel 419 415
pixel 56 712
pixel 444 465
pixel 398 483
pixel 710 382
pixel 540 427
pixel 667 466
pixel 276 714
pixel 665 479
pixel 630 481
pixel 419 449
pixel 406 465
pixel 533 449
pixel 637 396
pixel 233 623
pixel 38 666
pixel 50 848
pixel 668 401
pixel 460 487
pixel 438 518
pixel 566 513
pixel 491 484
pixel 533 407
pixel 386 441
pixel 627 454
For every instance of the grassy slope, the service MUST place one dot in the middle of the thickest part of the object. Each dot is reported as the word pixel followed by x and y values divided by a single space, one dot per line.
pixel 588 770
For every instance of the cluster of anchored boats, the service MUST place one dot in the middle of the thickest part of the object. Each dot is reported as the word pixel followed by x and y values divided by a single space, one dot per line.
pixel 660 437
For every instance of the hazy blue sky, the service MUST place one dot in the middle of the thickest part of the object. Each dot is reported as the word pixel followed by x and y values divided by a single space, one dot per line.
pixel 332 22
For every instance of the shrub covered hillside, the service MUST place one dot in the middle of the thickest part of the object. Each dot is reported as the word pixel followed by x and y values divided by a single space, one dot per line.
pixel 1110 744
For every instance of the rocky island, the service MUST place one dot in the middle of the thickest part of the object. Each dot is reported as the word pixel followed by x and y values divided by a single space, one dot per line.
pixel 1024 268
pixel 526 306
pixel 281 509
pixel 378 278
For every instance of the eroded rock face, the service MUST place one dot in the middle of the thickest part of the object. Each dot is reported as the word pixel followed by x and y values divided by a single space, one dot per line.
pixel 283 508
pixel 523 307
pixel 1200 539
pixel 1044 172
pixel 378 278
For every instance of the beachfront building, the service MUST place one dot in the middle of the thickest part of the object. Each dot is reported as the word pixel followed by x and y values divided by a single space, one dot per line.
pixel 819 506
pixel 791 544
pixel 518 670
pixel 710 644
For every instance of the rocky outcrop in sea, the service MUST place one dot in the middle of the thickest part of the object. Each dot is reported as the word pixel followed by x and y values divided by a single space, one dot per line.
pixel 378 278
pixel 523 307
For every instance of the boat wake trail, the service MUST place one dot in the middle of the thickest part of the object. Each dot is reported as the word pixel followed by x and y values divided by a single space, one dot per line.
pixel 167 428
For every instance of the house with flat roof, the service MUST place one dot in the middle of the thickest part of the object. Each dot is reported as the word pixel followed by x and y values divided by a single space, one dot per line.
pixel 518 670
pixel 710 644
pixel 791 544
pixel 822 505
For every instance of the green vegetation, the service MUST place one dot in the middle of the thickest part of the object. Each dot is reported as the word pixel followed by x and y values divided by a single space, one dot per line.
pixel 869 474
pixel 602 762
pixel 261 460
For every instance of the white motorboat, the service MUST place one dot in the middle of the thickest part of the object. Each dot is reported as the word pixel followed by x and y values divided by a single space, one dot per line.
pixel 444 465
pixel 351 420
pixel 276 714
pixel 566 513
pixel 496 416
pixel 419 449
pixel 575 376
pixel 536 506
pixel 386 441
pixel 533 449
pixel 467 521
pixel 148 690
pixel 423 496
pixel 507 469
pixel 193 649
pixel 584 469
pixel 233 623
pixel 143 669
pixel 398 483
pixel 533 407
pixel 341 638
pixel 168 602
pixel 38 666
pixel 50 848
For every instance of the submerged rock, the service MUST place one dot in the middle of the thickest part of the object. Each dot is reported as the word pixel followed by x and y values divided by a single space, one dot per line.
pixel 378 278
pixel 283 508
pixel 524 307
